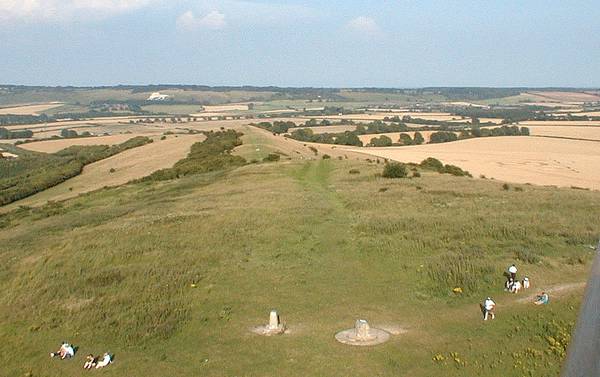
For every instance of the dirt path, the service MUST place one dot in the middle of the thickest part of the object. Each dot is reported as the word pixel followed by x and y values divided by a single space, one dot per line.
pixel 553 291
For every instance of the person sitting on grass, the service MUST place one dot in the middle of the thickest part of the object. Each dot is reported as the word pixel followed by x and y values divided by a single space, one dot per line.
pixel 90 361
pixel 542 299
pixel 106 359
pixel 66 351
pixel 489 307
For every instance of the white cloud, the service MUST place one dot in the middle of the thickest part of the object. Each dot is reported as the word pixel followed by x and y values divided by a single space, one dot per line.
pixel 213 20
pixel 62 10
pixel 364 25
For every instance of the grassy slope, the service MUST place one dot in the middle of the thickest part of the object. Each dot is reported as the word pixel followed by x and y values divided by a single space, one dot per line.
pixel 112 271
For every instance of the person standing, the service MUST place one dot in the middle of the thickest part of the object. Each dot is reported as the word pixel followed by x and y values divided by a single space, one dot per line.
pixel 489 308
pixel 512 270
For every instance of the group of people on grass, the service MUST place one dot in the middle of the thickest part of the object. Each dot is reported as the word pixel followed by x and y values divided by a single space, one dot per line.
pixel 512 285
pixel 67 351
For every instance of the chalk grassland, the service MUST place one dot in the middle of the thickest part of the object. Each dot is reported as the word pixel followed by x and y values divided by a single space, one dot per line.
pixel 52 146
pixel 129 165
pixel 87 96
pixel 542 161
pixel 29 109
pixel 113 271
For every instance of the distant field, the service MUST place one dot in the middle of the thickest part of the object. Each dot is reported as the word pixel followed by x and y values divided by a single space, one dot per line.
pixel 329 129
pixel 565 96
pixel 51 146
pixel 566 123
pixel 381 115
pixel 131 164
pixel 575 132
pixel 541 161
pixel 29 109
pixel 173 109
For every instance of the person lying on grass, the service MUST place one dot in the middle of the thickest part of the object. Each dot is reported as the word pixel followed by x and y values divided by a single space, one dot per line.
pixel 90 361
pixel 106 359
pixel 66 351
pixel 542 299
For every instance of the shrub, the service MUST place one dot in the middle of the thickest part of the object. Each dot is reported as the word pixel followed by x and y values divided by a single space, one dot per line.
pixel 272 157
pixel 395 170
pixel 163 137
pixel 326 157
pixel 527 256
pixel 505 187
pixel 112 170
pixel 468 272
pixel 314 150
pixel 455 170
pixel 416 174
pixel 432 164
pixel 354 171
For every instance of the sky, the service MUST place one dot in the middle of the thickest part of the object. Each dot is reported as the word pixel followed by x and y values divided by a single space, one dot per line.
pixel 338 43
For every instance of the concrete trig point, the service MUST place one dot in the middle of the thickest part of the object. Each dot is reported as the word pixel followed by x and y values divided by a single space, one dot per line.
pixel 362 335
pixel 274 327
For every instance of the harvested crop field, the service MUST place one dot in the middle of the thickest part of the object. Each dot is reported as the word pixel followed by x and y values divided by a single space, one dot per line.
pixel 29 109
pixel 131 164
pixel 519 159
pixel 559 96
pixel 222 108
pixel 328 129
pixel 531 123
pixel 571 132
pixel 52 146
pixel 382 115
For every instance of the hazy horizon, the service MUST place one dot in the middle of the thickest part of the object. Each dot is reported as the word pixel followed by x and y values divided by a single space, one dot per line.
pixel 350 44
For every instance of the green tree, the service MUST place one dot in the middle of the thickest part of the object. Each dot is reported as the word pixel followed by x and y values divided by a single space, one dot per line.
pixel 405 139
pixel 395 170
pixel 418 139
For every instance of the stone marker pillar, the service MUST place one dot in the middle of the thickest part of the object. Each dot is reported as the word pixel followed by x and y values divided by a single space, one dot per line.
pixel 273 320
pixel 361 327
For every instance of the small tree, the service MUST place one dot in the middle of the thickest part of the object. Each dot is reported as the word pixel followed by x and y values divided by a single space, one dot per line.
pixel 405 139
pixel 418 139
pixel 395 170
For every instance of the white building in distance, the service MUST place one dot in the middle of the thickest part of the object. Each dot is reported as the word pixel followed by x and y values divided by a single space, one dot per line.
pixel 156 96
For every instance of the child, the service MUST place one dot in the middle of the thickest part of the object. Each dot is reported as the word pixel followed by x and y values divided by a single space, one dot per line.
pixel 90 361
pixel 526 283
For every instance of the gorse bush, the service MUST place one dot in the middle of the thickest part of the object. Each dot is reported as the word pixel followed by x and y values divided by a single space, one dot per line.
pixel 527 256
pixel 272 157
pixel 431 163
pixel 455 170
pixel 395 170
pixel 466 271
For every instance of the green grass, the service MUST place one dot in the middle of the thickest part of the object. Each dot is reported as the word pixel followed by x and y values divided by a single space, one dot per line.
pixel 112 271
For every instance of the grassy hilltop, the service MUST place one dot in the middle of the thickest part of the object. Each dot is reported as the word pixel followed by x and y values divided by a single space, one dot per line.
pixel 171 275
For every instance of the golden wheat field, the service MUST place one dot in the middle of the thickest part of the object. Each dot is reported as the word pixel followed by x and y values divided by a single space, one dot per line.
pixel 35 109
pixel 51 146
pixel 519 159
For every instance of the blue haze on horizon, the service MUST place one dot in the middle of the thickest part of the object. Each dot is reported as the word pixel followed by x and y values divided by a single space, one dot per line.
pixel 337 43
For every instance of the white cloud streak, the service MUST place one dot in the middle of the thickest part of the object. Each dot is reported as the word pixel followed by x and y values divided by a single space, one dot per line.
pixel 364 25
pixel 213 20
pixel 64 10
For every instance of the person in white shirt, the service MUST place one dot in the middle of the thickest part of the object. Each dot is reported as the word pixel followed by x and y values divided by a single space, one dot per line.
pixel 489 307
pixel 106 359
pixel 512 270
pixel 65 351
pixel 516 287
pixel 526 283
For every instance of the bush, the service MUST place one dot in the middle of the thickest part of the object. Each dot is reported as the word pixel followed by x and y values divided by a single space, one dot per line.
pixel 467 272
pixel 314 150
pixel 505 187
pixel 395 170
pixel 527 256
pixel 272 157
pixel 416 174
pixel 455 170
pixel 326 157
pixel 432 164
pixel 112 170
pixel 354 171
